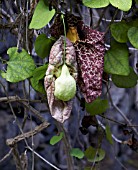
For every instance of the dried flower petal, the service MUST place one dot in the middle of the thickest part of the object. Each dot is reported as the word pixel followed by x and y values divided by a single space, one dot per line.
pixel 59 109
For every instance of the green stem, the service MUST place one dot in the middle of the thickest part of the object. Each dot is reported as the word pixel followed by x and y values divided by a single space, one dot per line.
pixel 64 54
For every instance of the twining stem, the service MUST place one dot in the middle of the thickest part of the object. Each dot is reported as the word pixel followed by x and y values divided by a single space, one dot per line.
pixel 64 54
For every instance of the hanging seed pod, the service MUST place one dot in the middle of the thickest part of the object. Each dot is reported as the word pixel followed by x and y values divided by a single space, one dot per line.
pixel 65 85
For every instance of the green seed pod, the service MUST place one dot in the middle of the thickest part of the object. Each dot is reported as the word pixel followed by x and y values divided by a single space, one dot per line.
pixel 65 85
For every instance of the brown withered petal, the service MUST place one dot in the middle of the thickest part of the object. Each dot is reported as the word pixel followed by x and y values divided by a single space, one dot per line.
pixel 59 109
pixel 90 57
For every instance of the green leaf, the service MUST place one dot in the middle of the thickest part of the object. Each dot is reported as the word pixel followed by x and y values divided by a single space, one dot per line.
pixel 37 81
pixel 124 5
pixel 116 59
pixel 126 81
pixel 98 106
pixel 20 66
pixel 136 1
pixel 119 31
pixel 95 3
pixel 43 45
pixel 133 36
pixel 108 134
pixel 41 16
pixel 94 155
pixel 76 152
pixel 56 139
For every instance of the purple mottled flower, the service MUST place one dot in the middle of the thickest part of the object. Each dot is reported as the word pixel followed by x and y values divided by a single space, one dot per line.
pixel 89 55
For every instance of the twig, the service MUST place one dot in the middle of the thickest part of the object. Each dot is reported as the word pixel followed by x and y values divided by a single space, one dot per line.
pixel 27 44
pixel 34 111
pixel 17 98
pixel 22 101
pixel 11 142
pixel 117 140
pixel 121 163
pixel 107 29
pixel 4 13
pixel 123 124
pixel 67 148
pixel 25 112
pixel 111 120
pixel 43 158
pixel 100 19
pixel 6 156
pixel 24 160
pixel 16 157
pixel 122 114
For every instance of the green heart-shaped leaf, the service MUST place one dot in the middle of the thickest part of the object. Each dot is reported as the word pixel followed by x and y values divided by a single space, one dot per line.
pixel 20 65
pixel 94 155
pixel 76 152
pixel 133 36
pixel 119 31
pixel 124 5
pixel 98 106
pixel 116 59
pixel 126 81
pixel 43 45
pixel 41 16
pixel 56 139
pixel 95 3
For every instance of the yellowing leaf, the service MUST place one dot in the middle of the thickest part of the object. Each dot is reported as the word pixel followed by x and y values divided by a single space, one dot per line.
pixel 20 65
